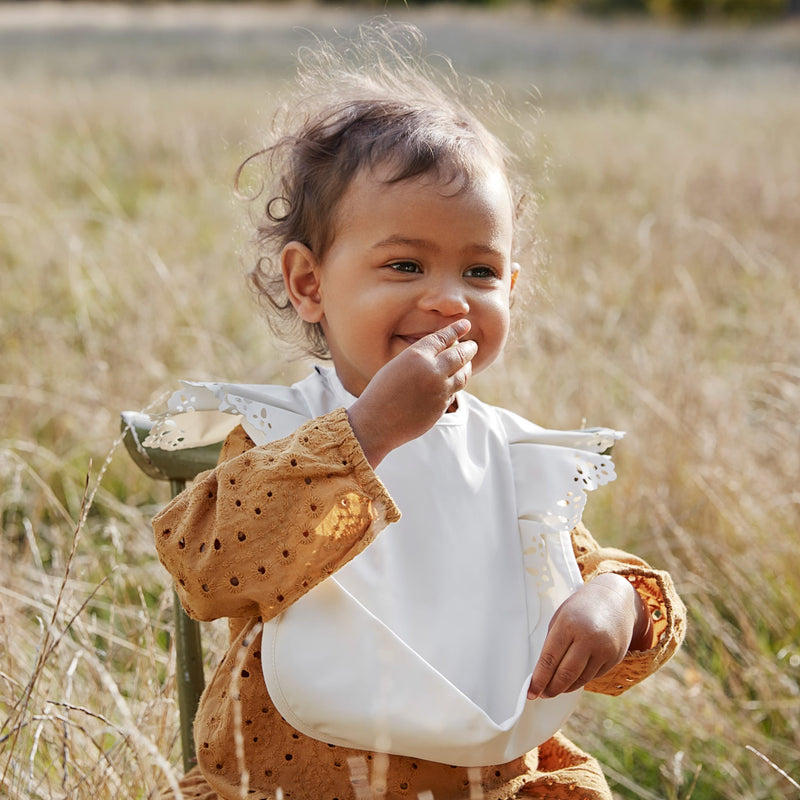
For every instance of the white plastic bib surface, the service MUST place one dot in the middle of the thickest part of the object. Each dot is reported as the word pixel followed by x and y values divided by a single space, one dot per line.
pixel 424 644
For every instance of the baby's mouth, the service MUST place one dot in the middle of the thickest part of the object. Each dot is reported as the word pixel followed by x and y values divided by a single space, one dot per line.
pixel 410 338
pixel 413 338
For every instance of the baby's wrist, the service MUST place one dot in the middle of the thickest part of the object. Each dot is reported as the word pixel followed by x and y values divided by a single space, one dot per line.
pixel 642 630
pixel 642 638
pixel 368 433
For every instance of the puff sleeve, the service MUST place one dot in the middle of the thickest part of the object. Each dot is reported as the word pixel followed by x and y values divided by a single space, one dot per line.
pixel 271 522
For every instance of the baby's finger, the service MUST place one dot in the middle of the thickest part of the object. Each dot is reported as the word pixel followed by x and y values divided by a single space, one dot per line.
pixel 544 670
pixel 456 357
pixel 459 379
pixel 590 670
pixel 564 676
pixel 440 340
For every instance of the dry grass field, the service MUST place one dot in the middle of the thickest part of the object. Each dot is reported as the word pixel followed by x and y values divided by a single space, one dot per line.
pixel 663 299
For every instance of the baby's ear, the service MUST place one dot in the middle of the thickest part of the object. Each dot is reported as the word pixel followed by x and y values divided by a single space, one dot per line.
pixel 301 277
pixel 515 270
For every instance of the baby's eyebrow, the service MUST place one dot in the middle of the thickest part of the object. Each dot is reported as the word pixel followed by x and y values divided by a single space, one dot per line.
pixel 405 241
pixel 409 241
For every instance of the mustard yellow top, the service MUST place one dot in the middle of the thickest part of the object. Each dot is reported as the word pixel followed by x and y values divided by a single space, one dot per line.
pixel 270 523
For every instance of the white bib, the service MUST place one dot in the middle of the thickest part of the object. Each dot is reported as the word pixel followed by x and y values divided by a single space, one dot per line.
pixel 424 644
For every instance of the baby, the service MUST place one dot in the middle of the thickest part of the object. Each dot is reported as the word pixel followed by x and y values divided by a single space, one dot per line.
pixel 437 654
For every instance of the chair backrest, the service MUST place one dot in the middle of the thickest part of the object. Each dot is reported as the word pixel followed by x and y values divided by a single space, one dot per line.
pixel 177 467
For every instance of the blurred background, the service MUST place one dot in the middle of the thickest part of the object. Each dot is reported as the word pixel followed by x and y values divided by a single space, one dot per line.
pixel 659 139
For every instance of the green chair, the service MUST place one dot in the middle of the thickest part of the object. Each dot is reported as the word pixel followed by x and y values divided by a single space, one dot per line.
pixel 177 467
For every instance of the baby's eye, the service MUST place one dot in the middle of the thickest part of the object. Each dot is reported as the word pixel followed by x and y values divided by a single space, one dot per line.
pixel 405 266
pixel 480 271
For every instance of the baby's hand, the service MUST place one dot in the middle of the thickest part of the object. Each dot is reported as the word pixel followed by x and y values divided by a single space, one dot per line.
pixel 408 395
pixel 590 633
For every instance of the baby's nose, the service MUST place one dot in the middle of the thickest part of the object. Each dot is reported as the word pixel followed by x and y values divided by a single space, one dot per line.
pixel 447 298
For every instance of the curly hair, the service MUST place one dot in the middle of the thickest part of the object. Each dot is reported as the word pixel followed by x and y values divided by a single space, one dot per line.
pixel 376 101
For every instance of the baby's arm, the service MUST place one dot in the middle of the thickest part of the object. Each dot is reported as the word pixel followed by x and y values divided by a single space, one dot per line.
pixel 618 628
pixel 268 524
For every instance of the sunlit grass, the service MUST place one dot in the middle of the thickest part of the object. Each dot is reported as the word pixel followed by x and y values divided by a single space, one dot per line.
pixel 665 303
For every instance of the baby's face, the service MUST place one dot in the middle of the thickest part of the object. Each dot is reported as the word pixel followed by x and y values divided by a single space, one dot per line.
pixel 408 259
